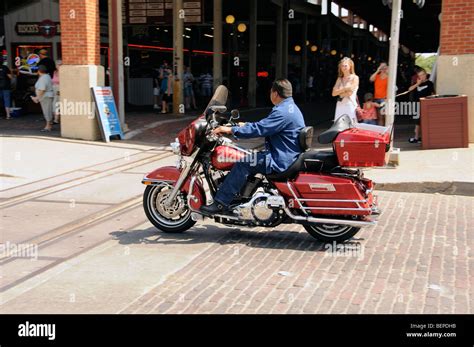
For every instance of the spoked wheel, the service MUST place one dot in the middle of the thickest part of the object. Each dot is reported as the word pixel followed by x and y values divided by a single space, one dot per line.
pixel 331 232
pixel 175 218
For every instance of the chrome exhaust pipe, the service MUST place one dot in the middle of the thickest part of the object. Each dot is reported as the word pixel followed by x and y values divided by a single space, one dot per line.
pixel 353 223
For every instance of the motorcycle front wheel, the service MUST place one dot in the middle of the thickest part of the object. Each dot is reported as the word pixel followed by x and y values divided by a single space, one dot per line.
pixel 331 232
pixel 175 218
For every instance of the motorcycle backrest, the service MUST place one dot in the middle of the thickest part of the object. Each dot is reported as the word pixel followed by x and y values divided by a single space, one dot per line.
pixel 306 138
pixel 342 123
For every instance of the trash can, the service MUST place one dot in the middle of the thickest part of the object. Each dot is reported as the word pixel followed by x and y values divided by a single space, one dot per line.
pixel 444 121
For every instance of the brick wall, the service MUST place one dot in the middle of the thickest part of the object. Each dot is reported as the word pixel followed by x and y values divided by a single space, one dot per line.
pixel 457 27
pixel 80 32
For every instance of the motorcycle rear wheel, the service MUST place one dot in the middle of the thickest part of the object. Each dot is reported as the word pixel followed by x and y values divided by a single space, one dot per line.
pixel 166 220
pixel 331 232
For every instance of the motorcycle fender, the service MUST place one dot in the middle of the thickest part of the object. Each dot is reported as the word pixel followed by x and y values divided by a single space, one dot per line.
pixel 170 174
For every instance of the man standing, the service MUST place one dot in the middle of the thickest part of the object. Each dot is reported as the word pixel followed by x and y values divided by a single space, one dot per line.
pixel 423 88
pixel 281 130
pixel 44 96
pixel 206 81
pixel 47 62
pixel 380 80
pixel 5 87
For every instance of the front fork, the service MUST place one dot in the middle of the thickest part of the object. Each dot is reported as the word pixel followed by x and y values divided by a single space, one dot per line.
pixel 182 178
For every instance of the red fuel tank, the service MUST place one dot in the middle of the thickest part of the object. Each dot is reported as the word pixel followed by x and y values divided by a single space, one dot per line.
pixel 224 157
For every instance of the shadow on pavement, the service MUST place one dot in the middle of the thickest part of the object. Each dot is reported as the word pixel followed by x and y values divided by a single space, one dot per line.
pixel 277 238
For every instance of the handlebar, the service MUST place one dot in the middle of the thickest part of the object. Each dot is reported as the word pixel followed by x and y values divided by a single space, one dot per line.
pixel 213 123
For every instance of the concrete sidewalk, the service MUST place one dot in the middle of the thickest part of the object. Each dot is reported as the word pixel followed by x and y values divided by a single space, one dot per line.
pixel 80 203
pixel 447 171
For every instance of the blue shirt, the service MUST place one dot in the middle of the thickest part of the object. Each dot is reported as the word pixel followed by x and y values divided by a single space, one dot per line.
pixel 281 130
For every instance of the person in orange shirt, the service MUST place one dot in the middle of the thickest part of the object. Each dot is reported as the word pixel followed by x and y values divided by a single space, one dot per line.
pixel 380 80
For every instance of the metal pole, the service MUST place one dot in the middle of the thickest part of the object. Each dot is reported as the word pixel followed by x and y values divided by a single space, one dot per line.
pixel 252 86
pixel 393 61
pixel 217 44
pixel 178 31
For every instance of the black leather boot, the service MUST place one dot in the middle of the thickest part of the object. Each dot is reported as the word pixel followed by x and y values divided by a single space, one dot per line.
pixel 214 208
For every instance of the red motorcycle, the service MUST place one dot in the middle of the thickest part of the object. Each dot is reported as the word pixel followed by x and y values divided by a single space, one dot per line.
pixel 322 190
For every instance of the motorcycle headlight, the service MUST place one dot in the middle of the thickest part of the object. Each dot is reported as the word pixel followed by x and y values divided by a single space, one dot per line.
pixel 176 147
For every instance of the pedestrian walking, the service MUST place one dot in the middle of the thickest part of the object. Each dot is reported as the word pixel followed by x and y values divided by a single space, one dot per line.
pixel 44 96
pixel 5 88
pixel 345 88
pixel 380 80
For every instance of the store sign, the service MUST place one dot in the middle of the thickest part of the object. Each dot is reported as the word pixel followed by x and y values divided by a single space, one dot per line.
pixel 46 28
pixel 153 12
pixel 108 118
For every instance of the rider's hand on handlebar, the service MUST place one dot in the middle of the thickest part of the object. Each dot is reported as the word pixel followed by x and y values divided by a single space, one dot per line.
pixel 222 130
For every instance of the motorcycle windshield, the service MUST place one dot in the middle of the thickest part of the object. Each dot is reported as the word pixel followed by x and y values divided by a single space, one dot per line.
pixel 219 98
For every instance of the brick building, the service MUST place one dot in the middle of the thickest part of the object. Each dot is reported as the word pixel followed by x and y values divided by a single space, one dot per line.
pixel 456 60
pixel 83 67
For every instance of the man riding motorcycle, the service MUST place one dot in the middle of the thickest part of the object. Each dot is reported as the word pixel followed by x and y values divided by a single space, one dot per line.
pixel 281 131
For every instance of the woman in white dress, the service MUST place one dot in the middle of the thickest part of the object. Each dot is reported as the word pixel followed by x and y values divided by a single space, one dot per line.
pixel 345 89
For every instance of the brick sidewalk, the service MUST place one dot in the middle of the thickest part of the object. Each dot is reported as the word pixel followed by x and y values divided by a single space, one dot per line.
pixel 419 259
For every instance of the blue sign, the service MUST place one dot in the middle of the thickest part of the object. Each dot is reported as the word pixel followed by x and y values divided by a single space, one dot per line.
pixel 109 121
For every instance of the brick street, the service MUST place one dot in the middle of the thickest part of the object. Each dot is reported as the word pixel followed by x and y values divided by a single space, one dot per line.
pixel 419 259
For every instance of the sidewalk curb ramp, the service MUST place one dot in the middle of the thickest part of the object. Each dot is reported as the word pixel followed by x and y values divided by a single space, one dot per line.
pixel 447 188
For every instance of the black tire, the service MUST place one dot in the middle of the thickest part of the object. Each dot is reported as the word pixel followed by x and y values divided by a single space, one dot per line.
pixel 182 223
pixel 331 232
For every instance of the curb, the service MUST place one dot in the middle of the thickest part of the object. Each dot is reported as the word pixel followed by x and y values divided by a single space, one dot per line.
pixel 446 188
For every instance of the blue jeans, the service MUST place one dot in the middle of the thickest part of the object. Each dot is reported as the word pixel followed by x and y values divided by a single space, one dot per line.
pixel 369 121
pixel 237 177
pixel 206 90
pixel 5 97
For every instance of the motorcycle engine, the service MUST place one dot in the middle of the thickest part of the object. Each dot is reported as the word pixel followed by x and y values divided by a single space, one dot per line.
pixel 259 211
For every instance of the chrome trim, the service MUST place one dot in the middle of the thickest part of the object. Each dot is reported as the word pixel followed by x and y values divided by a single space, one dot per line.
pixel 335 200
pixel 190 194
pixel 175 147
pixel 154 180
pixel 357 202
pixel 339 208
pixel 180 181
pixel 228 217
pixel 294 195
pixel 234 146
pixel 354 223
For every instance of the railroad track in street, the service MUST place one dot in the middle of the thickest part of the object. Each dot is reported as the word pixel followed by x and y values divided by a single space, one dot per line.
pixel 81 180
pixel 78 225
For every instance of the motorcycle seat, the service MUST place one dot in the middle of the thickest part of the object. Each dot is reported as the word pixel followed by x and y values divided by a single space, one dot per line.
pixel 342 123
pixel 309 161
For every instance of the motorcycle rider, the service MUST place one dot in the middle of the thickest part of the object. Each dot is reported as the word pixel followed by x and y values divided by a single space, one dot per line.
pixel 281 131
